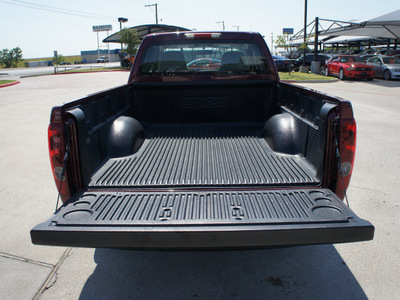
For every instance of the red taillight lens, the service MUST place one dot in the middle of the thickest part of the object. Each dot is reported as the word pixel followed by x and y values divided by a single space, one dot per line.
pixel 57 152
pixel 55 143
pixel 347 150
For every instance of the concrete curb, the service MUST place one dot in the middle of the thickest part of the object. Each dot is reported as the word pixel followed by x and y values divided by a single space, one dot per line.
pixel 87 72
pixel 310 81
pixel 9 84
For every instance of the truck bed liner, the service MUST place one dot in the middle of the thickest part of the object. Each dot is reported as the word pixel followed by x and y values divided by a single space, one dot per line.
pixel 209 154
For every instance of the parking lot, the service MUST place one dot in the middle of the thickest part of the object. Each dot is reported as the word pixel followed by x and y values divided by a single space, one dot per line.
pixel 347 271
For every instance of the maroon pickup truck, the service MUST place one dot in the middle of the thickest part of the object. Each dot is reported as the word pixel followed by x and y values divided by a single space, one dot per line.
pixel 214 155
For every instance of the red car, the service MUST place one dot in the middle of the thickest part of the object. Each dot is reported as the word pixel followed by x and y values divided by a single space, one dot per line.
pixel 349 66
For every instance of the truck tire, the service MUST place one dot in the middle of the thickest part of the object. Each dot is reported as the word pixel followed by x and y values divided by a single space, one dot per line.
pixel 341 74
pixel 387 75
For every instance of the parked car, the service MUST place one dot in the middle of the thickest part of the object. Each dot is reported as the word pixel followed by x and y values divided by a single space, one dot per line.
pixel 349 66
pixel 103 59
pixel 65 63
pixel 365 57
pixel 392 52
pixel 127 62
pixel 295 54
pixel 381 52
pixel 368 51
pixel 387 67
pixel 282 63
pixel 322 58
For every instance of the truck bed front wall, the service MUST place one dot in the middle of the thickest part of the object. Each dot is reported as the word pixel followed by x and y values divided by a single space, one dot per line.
pixel 206 219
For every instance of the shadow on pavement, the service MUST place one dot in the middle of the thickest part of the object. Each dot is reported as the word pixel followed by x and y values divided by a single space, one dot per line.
pixel 307 272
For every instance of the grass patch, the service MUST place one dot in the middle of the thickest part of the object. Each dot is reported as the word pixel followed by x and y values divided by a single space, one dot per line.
pixel 302 76
pixel 6 81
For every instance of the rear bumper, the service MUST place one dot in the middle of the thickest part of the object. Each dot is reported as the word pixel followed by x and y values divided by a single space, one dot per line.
pixel 198 220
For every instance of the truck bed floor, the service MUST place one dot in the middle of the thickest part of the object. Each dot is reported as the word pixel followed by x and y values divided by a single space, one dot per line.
pixel 204 155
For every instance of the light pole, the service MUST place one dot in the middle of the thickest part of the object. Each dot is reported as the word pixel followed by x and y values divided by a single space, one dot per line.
pixel 121 20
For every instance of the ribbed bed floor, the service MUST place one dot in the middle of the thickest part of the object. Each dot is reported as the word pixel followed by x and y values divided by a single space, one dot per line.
pixel 209 154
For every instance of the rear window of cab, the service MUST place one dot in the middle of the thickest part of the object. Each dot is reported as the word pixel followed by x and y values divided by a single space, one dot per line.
pixel 225 59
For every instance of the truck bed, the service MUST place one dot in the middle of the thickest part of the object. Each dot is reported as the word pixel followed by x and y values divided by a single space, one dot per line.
pixel 186 157
pixel 211 154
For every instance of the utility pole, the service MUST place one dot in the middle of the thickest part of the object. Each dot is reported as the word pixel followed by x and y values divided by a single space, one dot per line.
pixel 98 46
pixel 305 33
pixel 223 24
pixel 150 5
pixel 272 42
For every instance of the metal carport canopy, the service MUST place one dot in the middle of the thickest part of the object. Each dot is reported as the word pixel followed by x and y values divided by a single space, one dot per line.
pixel 143 30
pixel 385 26
pixel 350 39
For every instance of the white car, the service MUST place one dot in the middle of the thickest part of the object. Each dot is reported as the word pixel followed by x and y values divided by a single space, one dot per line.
pixel 103 59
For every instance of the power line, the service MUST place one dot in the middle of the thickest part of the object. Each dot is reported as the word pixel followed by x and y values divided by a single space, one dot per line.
pixel 62 9
pixel 56 10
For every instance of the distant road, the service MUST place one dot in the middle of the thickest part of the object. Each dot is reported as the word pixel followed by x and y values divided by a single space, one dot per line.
pixel 24 72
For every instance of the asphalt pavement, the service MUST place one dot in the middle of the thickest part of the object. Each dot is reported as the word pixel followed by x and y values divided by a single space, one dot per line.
pixel 345 271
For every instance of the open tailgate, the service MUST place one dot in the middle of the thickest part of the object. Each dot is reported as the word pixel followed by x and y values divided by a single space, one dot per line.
pixel 203 219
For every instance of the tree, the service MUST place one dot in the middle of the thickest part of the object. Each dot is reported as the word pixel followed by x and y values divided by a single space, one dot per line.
pixel 58 59
pixel 305 46
pixel 17 55
pixel 10 58
pixel 131 40
pixel 281 41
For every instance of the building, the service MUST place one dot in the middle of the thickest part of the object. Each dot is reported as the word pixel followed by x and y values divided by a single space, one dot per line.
pixel 91 56
pixel 34 64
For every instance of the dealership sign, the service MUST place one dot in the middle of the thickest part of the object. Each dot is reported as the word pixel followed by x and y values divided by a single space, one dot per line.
pixel 287 30
pixel 98 28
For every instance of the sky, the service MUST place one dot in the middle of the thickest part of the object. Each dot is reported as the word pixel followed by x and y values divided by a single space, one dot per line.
pixel 39 27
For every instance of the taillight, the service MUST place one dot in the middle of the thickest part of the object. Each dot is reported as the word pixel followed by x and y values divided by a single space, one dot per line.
pixel 57 152
pixel 347 150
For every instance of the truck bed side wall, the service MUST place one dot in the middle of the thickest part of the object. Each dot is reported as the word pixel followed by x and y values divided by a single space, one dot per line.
pixel 198 103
